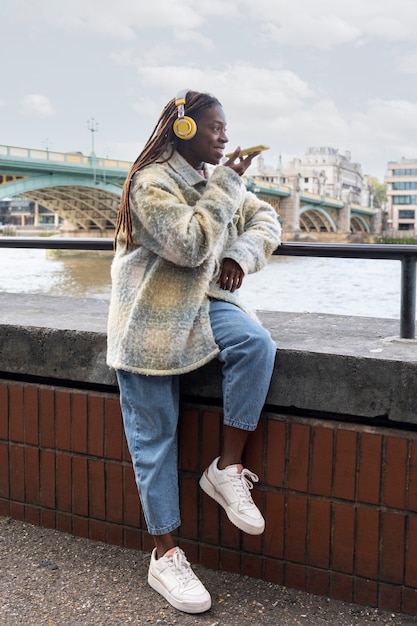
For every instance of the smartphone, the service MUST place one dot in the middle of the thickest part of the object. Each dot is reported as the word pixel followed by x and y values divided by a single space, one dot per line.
pixel 247 151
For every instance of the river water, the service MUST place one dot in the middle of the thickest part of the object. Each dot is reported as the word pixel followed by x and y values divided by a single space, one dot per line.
pixel 364 287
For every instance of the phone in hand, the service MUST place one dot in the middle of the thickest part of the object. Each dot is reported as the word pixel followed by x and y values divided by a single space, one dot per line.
pixel 246 151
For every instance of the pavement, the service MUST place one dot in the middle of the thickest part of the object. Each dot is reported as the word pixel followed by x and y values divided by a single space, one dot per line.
pixel 49 578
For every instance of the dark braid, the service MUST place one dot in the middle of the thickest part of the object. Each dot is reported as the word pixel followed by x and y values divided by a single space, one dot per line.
pixel 162 136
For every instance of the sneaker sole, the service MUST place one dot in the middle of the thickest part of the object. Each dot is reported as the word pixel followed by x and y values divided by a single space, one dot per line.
pixel 186 607
pixel 210 490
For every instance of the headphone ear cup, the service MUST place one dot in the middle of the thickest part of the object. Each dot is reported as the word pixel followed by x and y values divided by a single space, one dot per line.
pixel 185 127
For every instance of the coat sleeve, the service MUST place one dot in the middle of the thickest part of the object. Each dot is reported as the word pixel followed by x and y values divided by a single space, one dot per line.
pixel 176 222
pixel 260 236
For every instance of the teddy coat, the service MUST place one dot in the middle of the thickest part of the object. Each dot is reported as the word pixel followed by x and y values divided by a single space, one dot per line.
pixel 183 226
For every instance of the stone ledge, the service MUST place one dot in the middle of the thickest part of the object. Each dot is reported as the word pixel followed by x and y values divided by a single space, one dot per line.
pixel 327 363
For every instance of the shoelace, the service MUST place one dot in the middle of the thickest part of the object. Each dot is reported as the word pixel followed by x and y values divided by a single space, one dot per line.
pixel 182 567
pixel 243 483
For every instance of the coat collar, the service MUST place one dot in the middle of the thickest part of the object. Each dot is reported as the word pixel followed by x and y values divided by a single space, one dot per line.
pixel 184 169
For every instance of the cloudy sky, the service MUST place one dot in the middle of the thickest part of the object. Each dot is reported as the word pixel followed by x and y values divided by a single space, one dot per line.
pixel 289 73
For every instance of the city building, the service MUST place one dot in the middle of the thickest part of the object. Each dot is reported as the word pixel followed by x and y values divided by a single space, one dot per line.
pixel 401 181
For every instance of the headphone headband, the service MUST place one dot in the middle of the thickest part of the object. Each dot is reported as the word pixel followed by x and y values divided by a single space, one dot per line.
pixel 184 127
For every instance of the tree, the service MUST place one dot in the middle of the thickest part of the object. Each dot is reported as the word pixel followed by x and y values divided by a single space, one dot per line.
pixel 379 192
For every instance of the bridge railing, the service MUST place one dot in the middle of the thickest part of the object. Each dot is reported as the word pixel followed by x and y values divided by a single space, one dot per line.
pixel 76 158
pixel 406 254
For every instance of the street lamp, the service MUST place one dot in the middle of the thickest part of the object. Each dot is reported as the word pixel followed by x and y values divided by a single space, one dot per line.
pixel 93 128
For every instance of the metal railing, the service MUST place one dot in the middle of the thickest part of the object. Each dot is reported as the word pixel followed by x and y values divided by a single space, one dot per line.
pixel 407 254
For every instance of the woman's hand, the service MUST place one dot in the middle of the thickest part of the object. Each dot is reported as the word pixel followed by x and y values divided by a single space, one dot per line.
pixel 242 165
pixel 231 276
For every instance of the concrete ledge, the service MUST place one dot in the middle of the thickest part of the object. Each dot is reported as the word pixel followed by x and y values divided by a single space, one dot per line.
pixel 326 363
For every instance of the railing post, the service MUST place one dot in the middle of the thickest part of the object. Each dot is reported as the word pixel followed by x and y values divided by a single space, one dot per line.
pixel 408 298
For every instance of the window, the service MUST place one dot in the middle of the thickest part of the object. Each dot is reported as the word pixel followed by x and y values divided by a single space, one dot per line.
pixel 405 226
pixel 404 172
pixel 407 185
pixel 406 214
pixel 404 200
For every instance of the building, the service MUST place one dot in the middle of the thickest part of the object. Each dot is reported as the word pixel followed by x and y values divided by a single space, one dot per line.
pixel 325 171
pixel 401 181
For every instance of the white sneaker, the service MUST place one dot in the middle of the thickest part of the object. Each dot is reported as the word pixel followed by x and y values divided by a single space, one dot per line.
pixel 231 489
pixel 173 578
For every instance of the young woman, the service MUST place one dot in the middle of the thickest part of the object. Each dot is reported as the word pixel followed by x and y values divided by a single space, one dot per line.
pixel 187 233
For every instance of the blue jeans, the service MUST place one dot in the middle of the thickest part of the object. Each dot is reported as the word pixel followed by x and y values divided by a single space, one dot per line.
pixel 150 406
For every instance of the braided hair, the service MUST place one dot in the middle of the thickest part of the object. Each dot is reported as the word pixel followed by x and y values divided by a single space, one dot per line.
pixel 161 139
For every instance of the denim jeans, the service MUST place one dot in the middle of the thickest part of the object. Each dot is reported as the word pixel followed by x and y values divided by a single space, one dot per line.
pixel 150 406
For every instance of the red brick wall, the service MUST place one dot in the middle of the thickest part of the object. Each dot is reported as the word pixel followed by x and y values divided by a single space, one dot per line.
pixel 340 500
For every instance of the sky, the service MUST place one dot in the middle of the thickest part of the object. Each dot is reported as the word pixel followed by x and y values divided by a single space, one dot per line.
pixel 291 74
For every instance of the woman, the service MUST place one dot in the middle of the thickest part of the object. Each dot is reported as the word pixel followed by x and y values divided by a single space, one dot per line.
pixel 186 236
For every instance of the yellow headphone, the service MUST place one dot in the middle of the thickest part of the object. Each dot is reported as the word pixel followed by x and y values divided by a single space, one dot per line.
pixel 184 127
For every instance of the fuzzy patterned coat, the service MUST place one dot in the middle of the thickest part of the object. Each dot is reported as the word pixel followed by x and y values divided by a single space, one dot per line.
pixel 183 226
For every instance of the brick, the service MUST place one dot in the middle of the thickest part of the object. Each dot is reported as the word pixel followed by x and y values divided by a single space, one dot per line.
pixel 32 487
pixel 296 576
pixel 230 561
pixel 410 554
pixel 345 465
pixel 389 598
pixel 64 522
pixel 133 539
pixel 4 412
pixel 97 530
pixel 188 508
pixel 4 508
pixel 299 455
pixel 32 515
pixel 210 437
pixel 230 536
pixel 114 492
pixel 252 543
pixel 210 557
pixel 274 571
pixel 63 420
pixel 369 479
pixel 16 418
pixel 80 495
pixel 296 528
pixel 251 565
pixel 318 582
pixel 114 534
pixel 80 527
pixel 343 538
pixel 365 592
pixel 17 511
pixel 187 441
pixel 412 485
pixel 79 423
pixel 113 435
pixel 47 478
pixel 96 489
pixel 341 587
pixel 210 518
pixel 4 470
pixel 31 414
pixel 322 461
pixel 95 410
pixel 47 417
pixel 319 533
pixel 393 546
pixel 275 524
pixel 275 453
pixel 48 518
pixel 17 473
pixel 63 482
pixel 254 454
pixel 395 472
pixel 131 504
pixel 409 605
pixel 367 543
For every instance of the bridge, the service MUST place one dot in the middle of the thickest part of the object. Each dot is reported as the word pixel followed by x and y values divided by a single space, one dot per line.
pixel 84 191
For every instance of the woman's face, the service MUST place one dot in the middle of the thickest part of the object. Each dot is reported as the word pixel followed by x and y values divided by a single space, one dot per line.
pixel 207 145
